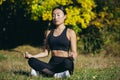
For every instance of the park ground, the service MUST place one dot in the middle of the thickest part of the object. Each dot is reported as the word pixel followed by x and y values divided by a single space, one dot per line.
pixel 13 66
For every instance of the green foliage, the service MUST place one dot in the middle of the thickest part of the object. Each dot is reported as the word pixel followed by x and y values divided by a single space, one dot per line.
pixel 107 15
pixel 1 1
pixel 92 40
pixel 108 22
pixel 2 57
pixel 81 15
pixel 81 74
pixel 86 67
pixel 79 12
pixel 97 74
pixel 13 8
pixel 111 38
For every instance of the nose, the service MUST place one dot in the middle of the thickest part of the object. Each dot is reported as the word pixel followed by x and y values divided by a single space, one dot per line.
pixel 55 17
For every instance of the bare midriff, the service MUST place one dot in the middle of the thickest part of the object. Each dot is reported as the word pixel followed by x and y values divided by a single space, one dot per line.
pixel 59 53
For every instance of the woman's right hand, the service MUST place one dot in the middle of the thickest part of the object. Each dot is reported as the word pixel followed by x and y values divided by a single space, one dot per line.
pixel 27 55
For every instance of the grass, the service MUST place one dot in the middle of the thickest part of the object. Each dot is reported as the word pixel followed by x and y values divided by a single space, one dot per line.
pixel 13 66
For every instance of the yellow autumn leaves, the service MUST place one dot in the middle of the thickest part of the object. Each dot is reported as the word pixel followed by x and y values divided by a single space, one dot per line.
pixel 80 14
pixel 1 1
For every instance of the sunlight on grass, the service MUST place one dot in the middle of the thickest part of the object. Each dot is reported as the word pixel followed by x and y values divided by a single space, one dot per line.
pixel 2 57
pixel 13 66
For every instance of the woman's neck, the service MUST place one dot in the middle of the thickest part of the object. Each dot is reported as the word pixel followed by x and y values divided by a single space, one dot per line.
pixel 60 27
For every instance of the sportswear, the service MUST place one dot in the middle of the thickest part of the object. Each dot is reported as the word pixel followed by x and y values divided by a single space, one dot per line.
pixel 60 42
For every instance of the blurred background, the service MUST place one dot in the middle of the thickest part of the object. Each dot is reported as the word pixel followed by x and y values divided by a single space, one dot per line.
pixel 23 24
pixel 96 23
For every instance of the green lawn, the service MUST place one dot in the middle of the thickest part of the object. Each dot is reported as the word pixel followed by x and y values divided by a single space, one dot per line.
pixel 13 66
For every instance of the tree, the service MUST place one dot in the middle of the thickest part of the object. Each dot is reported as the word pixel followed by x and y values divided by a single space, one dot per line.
pixel 94 21
pixel 79 11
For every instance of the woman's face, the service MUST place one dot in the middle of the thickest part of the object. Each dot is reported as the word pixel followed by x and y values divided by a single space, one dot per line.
pixel 58 17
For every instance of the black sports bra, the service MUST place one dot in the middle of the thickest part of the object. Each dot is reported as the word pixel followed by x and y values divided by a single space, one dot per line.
pixel 60 42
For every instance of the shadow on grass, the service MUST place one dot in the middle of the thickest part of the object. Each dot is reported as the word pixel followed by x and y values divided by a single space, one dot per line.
pixel 19 72
pixel 26 73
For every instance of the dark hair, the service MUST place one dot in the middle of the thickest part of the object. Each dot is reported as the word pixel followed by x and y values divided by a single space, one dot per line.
pixel 51 25
pixel 61 8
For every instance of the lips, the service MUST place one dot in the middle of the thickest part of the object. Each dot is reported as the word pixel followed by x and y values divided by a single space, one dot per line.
pixel 56 21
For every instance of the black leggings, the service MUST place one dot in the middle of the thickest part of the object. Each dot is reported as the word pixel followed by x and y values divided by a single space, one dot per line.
pixel 55 65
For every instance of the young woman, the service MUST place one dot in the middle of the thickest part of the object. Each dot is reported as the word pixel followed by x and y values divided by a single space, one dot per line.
pixel 61 41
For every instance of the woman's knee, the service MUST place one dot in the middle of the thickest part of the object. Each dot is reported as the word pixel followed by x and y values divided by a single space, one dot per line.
pixel 31 61
pixel 69 65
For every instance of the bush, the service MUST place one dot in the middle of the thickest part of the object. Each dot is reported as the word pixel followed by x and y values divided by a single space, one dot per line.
pixel 91 39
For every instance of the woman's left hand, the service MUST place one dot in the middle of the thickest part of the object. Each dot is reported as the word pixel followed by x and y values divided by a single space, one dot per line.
pixel 27 55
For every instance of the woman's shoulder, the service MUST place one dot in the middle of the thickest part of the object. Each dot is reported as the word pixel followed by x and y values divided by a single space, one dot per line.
pixel 48 32
pixel 70 31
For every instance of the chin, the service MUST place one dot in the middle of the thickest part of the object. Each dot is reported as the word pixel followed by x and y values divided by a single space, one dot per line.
pixel 57 24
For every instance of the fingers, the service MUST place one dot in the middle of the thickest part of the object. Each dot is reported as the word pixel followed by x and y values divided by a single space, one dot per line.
pixel 26 52
pixel 26 55
pixel 71 54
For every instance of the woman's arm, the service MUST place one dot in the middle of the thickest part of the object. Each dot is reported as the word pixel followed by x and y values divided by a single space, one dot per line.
pixel 42 54
pixel 73 42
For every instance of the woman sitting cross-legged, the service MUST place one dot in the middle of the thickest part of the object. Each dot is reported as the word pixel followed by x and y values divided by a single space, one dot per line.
pixel 61 41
